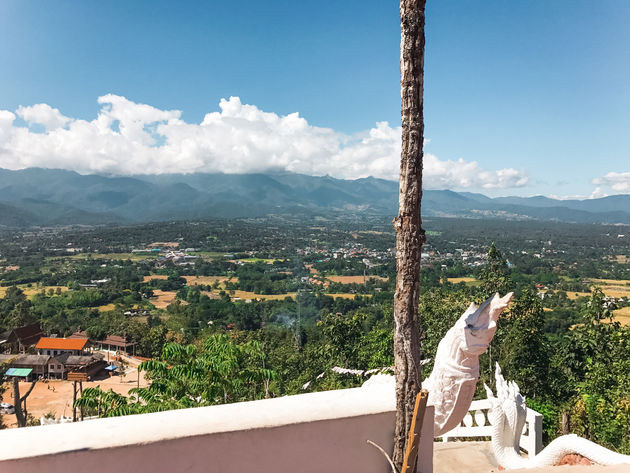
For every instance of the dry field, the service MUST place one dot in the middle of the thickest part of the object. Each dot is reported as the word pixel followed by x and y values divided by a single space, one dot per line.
pixel 107 256
pixel 464 280
pixel 612 282
pixel 256 260
pixel 211 295
pixel 354 279
pixel 165 244
pixel 574 295
pixel 106 308
pixel 162 299
pixel 614 287
pixel 31 291
pixel 244 295
pixel 346 295
pixel 622 259
pixel 207 280
pixel 623 316
pixel 616 291
pixel 154 276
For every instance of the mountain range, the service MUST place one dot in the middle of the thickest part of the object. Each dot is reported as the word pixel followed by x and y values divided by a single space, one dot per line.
pixel 37 196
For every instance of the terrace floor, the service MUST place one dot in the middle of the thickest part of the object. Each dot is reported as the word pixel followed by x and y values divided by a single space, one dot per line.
pixel 477 457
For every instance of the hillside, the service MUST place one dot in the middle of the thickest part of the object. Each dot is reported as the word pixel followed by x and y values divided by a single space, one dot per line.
pixel 38 196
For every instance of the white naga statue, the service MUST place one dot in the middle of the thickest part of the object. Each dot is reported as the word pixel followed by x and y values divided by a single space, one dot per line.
pixel 453 380
pixel 507 417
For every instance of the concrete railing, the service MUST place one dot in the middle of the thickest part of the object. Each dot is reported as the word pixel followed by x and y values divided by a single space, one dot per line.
pixel 476 424
pixel 324 432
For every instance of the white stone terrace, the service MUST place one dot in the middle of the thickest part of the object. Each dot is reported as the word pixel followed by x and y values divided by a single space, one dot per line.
pixel 308 433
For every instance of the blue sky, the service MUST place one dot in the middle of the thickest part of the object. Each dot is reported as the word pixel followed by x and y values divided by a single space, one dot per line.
pixel 521 97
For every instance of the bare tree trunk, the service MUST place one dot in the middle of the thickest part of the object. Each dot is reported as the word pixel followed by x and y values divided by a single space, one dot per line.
pixel 17 404
pixel 566 423
pixel 74 401
pixel 409 233
pixel 20 414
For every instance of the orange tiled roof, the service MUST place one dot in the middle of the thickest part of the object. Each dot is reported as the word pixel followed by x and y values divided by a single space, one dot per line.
pixel 46 343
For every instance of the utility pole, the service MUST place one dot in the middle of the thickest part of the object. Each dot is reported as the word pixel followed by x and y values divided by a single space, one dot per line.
pixel 408 225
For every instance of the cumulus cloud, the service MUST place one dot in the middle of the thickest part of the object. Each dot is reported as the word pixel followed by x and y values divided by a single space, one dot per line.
pixel 596 194
pixel 132 138
pixel 43 114
pixel 618 181
pixel 465 174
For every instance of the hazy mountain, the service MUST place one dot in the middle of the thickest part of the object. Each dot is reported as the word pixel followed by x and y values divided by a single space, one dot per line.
pixel 50 197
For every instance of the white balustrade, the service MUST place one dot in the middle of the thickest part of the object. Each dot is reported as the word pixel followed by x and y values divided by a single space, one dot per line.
pixel 476 425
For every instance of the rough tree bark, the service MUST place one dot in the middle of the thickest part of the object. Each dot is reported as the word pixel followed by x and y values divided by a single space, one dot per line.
pixel 20 414
pixel 409 233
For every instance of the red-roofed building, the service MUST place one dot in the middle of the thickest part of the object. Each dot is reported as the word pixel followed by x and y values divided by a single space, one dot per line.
pixel 56 346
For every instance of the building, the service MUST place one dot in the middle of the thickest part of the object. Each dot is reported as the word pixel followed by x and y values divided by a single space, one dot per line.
pixel 57 346
pixel 20 339
pixel 64 366
pixel 37 363
pixel 81 368
pixel 116 343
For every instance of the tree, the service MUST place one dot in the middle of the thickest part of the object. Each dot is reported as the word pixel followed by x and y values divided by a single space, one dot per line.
pixel 409 234
pixel 521 347
pixel 495 277
pixel 215 372
pixel 343 334
pixel 20 412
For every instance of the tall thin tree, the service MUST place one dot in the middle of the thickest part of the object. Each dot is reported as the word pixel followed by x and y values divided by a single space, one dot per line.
pixel 20 402
pixel 409 233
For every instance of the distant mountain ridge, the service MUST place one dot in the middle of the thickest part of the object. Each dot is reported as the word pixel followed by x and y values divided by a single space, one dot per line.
pixel 38 196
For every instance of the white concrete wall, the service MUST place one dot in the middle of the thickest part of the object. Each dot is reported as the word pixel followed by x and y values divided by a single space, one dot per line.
pixel 323 432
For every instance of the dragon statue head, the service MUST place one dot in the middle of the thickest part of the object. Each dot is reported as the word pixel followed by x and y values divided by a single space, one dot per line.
pixel 480 323
pixel 472 333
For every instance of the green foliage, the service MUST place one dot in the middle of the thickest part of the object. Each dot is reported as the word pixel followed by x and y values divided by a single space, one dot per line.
pixel 551 417
pixel 495 276
pixel 563 351
pixel 520 346
pixel 343 335
pixel 439 310
pixel 217 371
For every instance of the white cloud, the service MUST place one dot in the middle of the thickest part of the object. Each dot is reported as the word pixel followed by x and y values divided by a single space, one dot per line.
pixel 43 114
pixel 618 181
pixel 596 194
pixel 132 138
pixel 466 174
